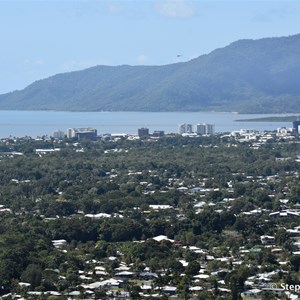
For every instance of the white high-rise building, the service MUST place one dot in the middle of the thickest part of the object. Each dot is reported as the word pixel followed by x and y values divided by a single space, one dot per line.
pixel 205 129
pixel 71 133
pixel 58 134
pixel 189 128
pixel 181 128
pixel 185 128
pixel 200 129
pixel 210 128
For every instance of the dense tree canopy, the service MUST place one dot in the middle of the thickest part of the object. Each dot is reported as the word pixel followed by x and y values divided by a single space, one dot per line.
pixel 198 192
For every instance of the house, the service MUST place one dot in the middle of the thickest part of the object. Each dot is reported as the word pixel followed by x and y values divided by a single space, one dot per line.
pixel 146 287
pixel 59 243
pixel 98 216
pixel 148 275
pixel 276 291
pixel 105 284
pixel 285 214
pixel 295 232
pixel 254 294
pixel 196 288
pixel 170 290
pixel 125 275
pixel 224 292
pixel 160 238
pixel 267 240
pixel 162 206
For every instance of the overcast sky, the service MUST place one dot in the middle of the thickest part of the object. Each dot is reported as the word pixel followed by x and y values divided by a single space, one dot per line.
pixel 42 38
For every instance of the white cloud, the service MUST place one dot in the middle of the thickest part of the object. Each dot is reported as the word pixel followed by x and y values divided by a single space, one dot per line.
pixel 176 8
pixel 39 62
pixel 115 8
pixel 141 58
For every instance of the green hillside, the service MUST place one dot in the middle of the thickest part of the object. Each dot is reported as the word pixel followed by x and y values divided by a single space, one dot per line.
pixel 248 76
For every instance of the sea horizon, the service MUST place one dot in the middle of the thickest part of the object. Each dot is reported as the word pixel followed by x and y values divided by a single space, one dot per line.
pixel 38 123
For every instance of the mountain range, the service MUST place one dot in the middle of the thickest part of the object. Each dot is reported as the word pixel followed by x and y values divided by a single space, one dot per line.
pixel 247 76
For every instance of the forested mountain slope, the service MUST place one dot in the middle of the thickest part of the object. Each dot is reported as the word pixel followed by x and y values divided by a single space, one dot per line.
pixel 253 76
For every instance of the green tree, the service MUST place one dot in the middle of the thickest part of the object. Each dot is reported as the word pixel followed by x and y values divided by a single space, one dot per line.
pixel 33 275
pixel 192 268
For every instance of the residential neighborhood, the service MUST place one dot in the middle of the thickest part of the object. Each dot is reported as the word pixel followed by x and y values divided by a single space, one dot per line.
pixel 186 217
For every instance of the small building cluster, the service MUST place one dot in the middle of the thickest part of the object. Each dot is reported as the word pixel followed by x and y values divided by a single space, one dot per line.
pixel 77 133
pixel 82 133
pixel 144 132
pixel 200 129
pixel 91 134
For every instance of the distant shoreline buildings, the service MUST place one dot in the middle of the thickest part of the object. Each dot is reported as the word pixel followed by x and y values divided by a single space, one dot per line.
pixel 200 129
pixel 77 133
pixel 184 129
pixel 82 133
pixel 91 134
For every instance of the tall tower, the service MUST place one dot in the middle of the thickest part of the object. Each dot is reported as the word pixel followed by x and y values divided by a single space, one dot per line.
pixel 200 129
pixel 142 132
pixel 71 133
pixel 181 128
pixel 189 128
pixel 296 125
pixel 210 128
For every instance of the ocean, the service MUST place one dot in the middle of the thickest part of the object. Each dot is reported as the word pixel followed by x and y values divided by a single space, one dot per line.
pixel 40 123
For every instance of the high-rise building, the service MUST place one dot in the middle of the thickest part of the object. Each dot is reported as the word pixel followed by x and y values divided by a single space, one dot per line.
pixel 205 129
pixel 296 125
pixel 82 133
pixel 142 132
pixel 86 133
pixel 158 133
pixel 58 134
pixel 200 129
pixel 185 128
pixel 71 133
pixel 181 128
pixel 210 128
pixel 189 128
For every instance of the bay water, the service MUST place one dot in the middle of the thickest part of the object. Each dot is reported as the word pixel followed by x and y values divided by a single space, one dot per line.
pixel 39 123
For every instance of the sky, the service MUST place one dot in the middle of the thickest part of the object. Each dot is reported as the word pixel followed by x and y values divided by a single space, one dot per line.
pixel 42 38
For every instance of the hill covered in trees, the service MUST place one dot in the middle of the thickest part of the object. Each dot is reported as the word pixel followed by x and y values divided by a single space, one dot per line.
pixel 248 76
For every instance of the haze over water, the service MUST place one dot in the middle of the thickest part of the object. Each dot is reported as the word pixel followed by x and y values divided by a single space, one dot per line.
pixel 39 123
